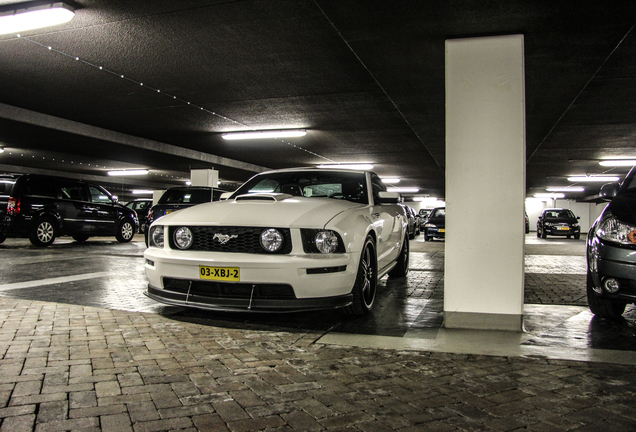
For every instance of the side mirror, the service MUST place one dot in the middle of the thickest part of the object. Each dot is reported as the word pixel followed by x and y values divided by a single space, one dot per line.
pixel 609 190
pixel 225 195
pixel 388 197
pixel 114 199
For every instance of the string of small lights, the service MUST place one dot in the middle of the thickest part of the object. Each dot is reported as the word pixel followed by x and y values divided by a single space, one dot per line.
pixel 156 90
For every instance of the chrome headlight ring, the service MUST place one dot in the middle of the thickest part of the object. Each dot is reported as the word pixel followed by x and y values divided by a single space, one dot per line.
pixel 183 238
pixel 156 236
pixel 271 240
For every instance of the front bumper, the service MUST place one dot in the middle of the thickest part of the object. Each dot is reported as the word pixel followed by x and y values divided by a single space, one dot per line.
pixel 280 283
pixel 555 231
pixel 435 232
pixel 609 261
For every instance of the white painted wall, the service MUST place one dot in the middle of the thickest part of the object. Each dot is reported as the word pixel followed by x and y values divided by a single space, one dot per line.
pixel 485 174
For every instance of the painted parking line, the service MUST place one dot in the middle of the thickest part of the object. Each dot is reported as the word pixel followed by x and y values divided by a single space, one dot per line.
pixel 52 281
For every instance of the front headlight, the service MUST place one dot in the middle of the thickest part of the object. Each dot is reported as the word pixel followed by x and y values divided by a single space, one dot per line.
pixel 183 238
pixel 155 237
pixel 430 225
pixel 326 241
pixel 576 225
pixel 548 224
pixel 612 229
pixel 271 239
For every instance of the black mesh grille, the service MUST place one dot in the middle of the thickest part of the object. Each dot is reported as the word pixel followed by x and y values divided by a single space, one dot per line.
pixel 229 290
pixel 231 239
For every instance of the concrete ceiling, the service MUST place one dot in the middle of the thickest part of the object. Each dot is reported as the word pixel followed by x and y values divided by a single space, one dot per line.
pixel 364 78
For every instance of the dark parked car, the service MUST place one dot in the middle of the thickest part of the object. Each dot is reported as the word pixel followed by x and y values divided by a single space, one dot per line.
pixel 527 223
pixel 180 197
pixel 435 226
pixel 42 208
pixel 558 222
pixel 423 217
pixel 410 229
pixel 141 206
pixel 611 251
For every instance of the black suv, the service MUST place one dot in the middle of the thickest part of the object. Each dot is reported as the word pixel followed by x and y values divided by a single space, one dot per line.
pixel 558 222
pixel 43 207
pixel 180 197
pixel 611 251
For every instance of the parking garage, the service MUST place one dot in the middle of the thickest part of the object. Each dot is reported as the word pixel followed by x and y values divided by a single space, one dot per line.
pixel 157 86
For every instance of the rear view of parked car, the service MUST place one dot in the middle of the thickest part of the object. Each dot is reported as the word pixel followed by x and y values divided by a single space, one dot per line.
pixel 435 226
pixel 611 252
pixel 141 206
pixel 42 208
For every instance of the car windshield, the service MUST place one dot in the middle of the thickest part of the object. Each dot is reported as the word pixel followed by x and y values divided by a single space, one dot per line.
pixel 184 196
pixel 310 184
pixel 439 213
pixel 553 214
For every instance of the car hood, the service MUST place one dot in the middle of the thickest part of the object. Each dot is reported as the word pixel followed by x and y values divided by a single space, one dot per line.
pixel 275 210
pixel 561 220
pixel 623 207
pixel 437 221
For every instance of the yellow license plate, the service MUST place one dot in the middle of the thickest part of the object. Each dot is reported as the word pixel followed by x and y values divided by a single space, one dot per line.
pixel 230 274
pixel 442 230
pixel 563 228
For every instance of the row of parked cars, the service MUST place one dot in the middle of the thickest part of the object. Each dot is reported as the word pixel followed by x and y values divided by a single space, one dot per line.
pixel 431 222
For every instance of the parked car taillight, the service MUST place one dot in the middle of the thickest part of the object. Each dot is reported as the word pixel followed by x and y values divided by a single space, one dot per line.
pixel 13 206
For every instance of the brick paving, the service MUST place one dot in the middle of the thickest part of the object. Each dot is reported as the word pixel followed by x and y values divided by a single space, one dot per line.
pixel 68 367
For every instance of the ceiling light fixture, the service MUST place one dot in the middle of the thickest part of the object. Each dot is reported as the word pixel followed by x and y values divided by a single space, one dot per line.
pixel 403 189
pixel 565 189
pixel 390 180
pixel 549 195
pixel 29 18
pixel 1 149
pixel 141 192
pixel 128 172
pixel 618 162
pixel 593 179
pixel 351 166
pixel 285 133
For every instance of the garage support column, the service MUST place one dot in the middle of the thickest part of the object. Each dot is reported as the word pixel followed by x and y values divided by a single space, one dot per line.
pixel 485 183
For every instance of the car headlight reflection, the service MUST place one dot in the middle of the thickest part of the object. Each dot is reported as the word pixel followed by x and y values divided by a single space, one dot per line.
pixel 430 225
pixel 326 241
pixel 155 237
pixel 271 239
pixel 614 230
pixel 183 237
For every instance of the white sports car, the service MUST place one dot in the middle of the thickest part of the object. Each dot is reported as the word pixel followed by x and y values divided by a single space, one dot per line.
pixel 287 240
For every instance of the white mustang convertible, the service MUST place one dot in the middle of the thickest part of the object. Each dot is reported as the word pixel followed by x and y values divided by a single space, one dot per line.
pixel 285 241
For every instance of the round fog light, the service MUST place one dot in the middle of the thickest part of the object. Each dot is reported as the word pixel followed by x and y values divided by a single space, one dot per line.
pixel 611 285
pixel 183 237
pixel 271 240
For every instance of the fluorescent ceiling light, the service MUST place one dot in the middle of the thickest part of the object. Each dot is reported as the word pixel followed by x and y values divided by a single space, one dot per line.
pixel 128 172
pixel 618 162
pixel 142 192
pixel 351 166
pixel 549 195
pixel 1 149
pixel 403 189
pixel 30 18
pixel 390 180
pixel 285 133
pixel 593 179
pixel 565 189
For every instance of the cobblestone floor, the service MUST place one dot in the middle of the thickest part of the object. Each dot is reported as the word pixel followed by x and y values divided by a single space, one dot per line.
pixel 82 349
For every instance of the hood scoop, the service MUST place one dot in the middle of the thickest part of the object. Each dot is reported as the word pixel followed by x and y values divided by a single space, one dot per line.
pixel 267 197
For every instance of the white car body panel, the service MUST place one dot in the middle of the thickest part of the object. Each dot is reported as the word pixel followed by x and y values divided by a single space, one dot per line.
pixel 352 221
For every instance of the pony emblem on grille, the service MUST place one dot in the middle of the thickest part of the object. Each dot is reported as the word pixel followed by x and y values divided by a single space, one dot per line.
pixel 223 238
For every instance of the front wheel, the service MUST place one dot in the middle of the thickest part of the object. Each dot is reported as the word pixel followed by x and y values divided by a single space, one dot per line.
pixel 401 269
pixel 577 236
pixel 2 238
pixel 366 282
pixel 543 234
pixel 126 231
pixel 602 307
pixel 43 232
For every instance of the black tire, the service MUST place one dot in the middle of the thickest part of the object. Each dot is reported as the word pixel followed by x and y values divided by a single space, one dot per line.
pixel 538 233
pixel 569 236
pixel 80 238
pixel 2 239
pixel 125 231
pixel 543 234
pixel 365 286
pixel 577 236
pixel 427 238
pixel 43 232
pixel 603 307
pixel 401 269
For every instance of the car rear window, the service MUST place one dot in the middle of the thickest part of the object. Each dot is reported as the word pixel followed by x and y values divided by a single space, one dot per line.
pixel 185 196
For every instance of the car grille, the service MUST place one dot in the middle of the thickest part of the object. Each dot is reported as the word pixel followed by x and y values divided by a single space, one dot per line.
pixel 229 290
pixel 239 239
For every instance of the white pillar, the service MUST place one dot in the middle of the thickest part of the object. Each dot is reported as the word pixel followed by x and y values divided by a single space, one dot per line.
pixel 485 183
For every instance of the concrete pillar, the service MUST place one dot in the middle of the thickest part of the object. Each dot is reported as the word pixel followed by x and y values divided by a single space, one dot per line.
pixel 204 177
pixel 485 183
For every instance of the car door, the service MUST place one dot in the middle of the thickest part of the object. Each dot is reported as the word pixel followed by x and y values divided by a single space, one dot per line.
pixel 75 216
pixel 104 213
pixel 388 220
